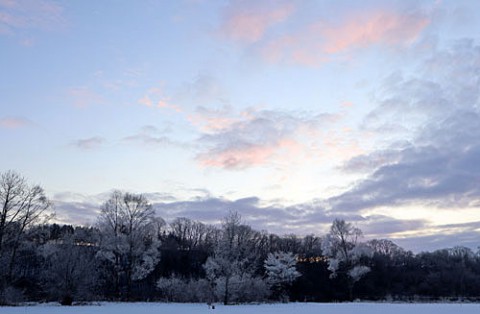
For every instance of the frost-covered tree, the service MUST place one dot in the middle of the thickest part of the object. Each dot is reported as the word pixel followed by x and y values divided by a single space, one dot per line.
pixel 281 271
pixel 172 288
pixel 177 289
pixel 243 287
pixel 345 254
pixel 129 240
pixel 234 258
pixel 68 270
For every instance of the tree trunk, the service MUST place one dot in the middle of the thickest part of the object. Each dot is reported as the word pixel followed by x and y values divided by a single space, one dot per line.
pixel 350 290
pixel 225 296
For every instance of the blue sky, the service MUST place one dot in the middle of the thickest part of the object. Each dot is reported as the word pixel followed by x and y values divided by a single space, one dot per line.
pixel 293 113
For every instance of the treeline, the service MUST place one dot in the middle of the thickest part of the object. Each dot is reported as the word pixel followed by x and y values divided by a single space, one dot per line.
pixel 131 254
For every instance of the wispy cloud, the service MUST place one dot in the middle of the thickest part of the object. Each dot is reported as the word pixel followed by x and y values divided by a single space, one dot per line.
pixel 83 96
pixel 149 136
pixel 211 120
pixel 248 21
pixel 322 41
pixel 14 122
pixel 312 42
pixel 202 89
pixel 377 27
pixel 29 15
pixel 89 143
pixel 155 98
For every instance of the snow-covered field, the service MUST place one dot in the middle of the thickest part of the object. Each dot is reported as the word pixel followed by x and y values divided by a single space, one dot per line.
pixel 293 308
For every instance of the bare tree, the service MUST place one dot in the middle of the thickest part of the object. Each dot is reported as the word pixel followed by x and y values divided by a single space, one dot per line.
pixel 190 234
pixel 21 206
pixel 385 247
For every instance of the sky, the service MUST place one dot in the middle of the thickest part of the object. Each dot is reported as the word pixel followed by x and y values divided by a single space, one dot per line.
pixel 292 113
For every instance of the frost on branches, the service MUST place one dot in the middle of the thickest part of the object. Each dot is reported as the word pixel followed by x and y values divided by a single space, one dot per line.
pixel 129 244
pixel 281 271
pixel 345 254
pixel 281 268
pixel 230 270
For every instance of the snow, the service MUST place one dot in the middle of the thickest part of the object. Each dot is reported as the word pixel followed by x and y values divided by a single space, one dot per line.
pixel 296 308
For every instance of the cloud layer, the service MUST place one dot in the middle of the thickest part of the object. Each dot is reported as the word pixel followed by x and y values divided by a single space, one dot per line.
pixel 440 109
pixel 300 219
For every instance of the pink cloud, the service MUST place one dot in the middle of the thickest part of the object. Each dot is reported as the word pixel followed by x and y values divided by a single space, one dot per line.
pixel 378 27
pixel 7 3
pixel 146 101
pixel 298 147
pixel 30 14
pixel 211 120
pixel 236 158
pixel 164 103
pixel 160 102
pixel 11 21
pixel 248 21
pixel 14 123
pixel 255 138
pixel 319 42
pixel 209 124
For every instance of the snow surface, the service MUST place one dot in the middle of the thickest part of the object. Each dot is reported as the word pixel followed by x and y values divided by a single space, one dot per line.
pixel 292 308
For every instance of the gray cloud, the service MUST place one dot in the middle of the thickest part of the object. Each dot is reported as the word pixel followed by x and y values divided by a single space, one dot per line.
pixel 147 139
pixel 300 219
pixel 439 166
pixel 438 110
pixel 74 208
pixel 76 213
pixel 150 137
pixel 384 226
pixel 212 210
pixel 89 143
pixel 464 234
